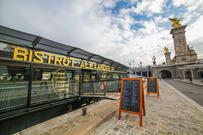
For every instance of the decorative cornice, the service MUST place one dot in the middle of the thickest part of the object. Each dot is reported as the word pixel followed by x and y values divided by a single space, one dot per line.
pixel 178 29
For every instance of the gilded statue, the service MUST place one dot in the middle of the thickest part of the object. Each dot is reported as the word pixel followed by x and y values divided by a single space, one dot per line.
pixel 175 22
pixel 165 49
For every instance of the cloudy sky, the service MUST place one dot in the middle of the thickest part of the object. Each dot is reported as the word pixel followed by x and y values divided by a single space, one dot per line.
pixel 122 30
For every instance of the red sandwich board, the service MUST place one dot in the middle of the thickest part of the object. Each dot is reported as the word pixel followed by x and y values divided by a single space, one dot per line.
pixel 132 97
pixel 152 86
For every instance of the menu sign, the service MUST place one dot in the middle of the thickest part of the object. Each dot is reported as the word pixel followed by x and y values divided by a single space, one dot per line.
pixel 152 86
pixel 132 97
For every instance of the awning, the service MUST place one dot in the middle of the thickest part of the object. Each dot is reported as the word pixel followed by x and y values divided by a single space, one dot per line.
pixel 36 42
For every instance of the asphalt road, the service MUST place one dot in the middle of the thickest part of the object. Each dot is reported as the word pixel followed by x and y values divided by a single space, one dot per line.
pixel 194 92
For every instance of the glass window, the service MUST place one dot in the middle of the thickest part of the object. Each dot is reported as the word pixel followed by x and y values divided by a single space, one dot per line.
pixel 13 84
pixel 103 76
pixel 89 75
pixel 123 76
pixel 115 76
pixel 93 76
pixel 86 75
pixel 53 83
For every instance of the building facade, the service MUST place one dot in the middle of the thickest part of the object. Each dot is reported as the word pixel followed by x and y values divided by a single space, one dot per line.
pixel 185 63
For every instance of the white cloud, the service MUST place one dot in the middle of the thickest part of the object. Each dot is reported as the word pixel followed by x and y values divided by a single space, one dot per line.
pixel 197 46
pixel 88 26
pixel 193 31
pixel 150 6
pixel 133 2
pixel 108 3
pixel 160 19
pixel 191 5
pixel 178 3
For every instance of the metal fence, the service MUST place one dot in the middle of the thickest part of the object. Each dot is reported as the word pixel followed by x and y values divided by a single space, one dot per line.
pixel 100 88
pixel 44 92
pixel 13 97
pixel 16 96
pixel 113 86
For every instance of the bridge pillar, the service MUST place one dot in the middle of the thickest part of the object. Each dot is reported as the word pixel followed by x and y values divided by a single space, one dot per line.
pixel 192 75
pixel 184 74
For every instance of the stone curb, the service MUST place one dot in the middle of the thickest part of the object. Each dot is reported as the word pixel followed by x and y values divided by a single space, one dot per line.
pixel 74 123
pixel 196 105
pixel 91 125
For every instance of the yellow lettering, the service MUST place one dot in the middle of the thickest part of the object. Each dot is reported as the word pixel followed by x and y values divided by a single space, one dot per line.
pixel 39 58
pixel 95 66
pixel 105 67
pixel 108 68
pixel 72 61
pixel 60 73
pixel 23 54
pixel 82 64
pixel 58 86
pixel 86 66
pixel 49 57
pixel 99 67
pixel 58 59
pixel 112 68
pixel 30 56
pixel 65 60
pixel 59 90
pixel 102 67
pixel 91 65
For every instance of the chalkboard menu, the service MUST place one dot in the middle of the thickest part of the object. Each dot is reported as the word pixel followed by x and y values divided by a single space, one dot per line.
pixel 131 95
pixel 152 84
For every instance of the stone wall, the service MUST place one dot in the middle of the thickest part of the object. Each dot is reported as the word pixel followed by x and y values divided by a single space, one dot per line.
pixel 156 70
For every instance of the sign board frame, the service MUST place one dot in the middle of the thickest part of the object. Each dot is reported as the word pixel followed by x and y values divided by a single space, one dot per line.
pixel 157 86
pixel 142 104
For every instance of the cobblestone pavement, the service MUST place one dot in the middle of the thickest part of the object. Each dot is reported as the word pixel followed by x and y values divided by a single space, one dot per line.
pixel 168 115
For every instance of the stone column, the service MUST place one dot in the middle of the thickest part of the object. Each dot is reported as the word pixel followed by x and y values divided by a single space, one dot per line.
pixel 183 74
pixel 168 58
pixel 180 45
pixel 192 75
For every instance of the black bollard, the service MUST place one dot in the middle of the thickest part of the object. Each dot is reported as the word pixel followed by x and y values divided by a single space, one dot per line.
pixel 84 111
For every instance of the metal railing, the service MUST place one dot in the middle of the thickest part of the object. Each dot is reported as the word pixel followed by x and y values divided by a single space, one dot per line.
pixel 100 88
pixel 11 97
pixel 16 96
pixel 44 92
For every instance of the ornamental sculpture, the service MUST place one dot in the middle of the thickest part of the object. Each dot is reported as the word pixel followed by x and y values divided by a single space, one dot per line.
pixel 175 22
pixel 165 49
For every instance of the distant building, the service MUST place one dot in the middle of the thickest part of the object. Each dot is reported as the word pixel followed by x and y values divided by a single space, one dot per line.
pixel 185 63
pixel 145 71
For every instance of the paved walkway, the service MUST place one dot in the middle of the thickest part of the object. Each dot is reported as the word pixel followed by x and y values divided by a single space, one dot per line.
pixel 193 92
pixel 170 114
pixel 194 82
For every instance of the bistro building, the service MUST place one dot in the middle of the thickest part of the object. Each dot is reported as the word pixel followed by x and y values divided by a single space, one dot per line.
pixel 40 78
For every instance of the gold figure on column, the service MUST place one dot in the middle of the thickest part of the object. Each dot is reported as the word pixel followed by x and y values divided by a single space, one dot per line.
pixel 165 49
pixel 175 22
